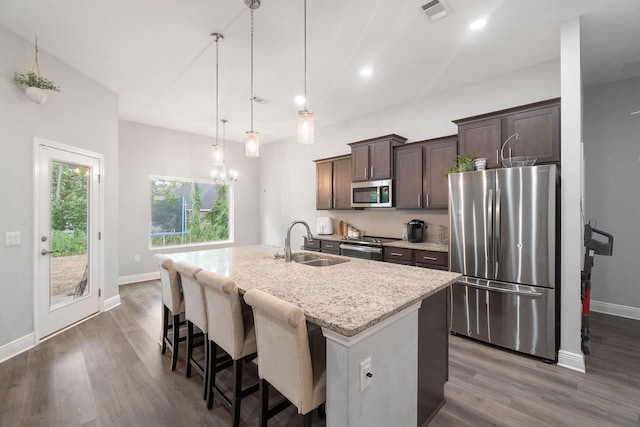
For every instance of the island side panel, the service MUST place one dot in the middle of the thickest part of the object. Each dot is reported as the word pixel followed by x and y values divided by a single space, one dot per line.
pixel 433 355
pixel 390 399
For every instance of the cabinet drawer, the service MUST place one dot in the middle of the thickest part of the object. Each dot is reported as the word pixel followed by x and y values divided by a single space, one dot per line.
pixel 398 255
pixel 432 257
pixel 330 246
pixel 313 245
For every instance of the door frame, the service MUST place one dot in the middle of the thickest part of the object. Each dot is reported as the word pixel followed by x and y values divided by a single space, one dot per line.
pixel 97 241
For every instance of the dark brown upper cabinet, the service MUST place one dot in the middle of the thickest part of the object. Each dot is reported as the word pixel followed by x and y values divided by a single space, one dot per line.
pixel 372 159
pixel 420 169
pixel 537 124
pixel 333 185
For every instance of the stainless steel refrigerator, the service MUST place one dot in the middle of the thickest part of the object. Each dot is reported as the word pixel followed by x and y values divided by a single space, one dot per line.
pixel 504 241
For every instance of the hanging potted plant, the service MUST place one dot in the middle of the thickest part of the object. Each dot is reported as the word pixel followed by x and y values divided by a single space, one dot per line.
pixel 33 83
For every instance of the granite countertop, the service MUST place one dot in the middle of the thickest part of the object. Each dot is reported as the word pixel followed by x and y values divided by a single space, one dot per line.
pixel 346 298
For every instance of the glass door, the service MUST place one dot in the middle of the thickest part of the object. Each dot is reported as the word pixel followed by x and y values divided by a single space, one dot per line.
pixel 67 234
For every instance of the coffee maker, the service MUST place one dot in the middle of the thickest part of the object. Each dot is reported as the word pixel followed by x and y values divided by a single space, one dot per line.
pixel 415 231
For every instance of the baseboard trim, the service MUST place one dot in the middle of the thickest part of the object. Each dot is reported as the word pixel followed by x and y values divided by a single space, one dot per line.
pixel 110 303
pixel 16 347
pixel 615 309
pixel 570 360
pixel 125 280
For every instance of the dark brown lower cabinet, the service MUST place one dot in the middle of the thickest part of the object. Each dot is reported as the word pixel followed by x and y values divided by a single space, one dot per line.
pixel 397 255
pixel 433 355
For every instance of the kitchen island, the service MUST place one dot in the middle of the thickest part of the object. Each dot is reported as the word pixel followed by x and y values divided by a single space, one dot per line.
pixel 368 311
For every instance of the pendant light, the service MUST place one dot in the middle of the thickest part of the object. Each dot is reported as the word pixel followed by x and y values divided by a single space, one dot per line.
pixel 219 173
pixel 305 117
pixel 252 141
pixel 217 150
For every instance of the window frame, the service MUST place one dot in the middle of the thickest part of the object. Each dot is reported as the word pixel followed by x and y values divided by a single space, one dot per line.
pixel 209 244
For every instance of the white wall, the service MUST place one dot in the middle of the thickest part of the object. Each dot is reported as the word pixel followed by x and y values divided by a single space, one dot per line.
pixel 287 171
pixel 84 115
pixel 570 354
pixel 612 191
pixel 148 150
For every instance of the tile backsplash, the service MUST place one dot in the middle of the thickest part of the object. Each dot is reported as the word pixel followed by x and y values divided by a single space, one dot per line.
pixel 437 234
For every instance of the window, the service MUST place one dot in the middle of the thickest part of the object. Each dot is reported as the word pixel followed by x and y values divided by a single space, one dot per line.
pixel 188 211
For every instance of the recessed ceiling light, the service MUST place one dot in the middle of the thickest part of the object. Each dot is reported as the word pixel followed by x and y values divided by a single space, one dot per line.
pixel 299 100
pixel 366 71
pixel 477 24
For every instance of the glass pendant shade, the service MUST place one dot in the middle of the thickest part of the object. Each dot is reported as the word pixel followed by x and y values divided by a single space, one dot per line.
pixel 217 154
pixel 305 127
pixel 252 144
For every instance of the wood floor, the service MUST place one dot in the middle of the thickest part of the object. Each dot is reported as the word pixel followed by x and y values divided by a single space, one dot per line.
pixel 108 371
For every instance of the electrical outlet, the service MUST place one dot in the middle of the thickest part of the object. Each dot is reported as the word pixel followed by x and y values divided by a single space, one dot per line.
pixel 136 257
pixel 366 376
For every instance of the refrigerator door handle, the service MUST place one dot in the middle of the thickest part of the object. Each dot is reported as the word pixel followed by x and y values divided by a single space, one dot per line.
pixel 503 290
pixel 498 244
pixel 489 228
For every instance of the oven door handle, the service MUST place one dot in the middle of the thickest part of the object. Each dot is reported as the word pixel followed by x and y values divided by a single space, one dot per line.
pixel 358 248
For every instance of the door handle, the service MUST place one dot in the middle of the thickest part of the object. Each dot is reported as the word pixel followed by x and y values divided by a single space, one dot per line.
pixel 46 252
pixel 419 200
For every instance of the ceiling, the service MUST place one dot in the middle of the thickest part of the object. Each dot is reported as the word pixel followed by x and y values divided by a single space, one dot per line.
pixel 159 58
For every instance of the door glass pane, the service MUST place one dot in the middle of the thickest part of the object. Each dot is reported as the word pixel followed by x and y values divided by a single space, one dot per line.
pixel 69 258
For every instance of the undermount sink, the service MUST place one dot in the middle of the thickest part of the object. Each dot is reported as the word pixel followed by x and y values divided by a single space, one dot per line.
pixel 314 260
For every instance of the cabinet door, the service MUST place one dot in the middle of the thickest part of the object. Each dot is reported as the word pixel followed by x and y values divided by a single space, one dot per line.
pixel 330 246
pixel 539 132
pixel 482 139
pixel 380 157
pixel 438 158
pixel 408 183
pixel 398 255
pixel 342 184
pixel 360 163
pixel 432 258
pixel 324 190
pixel 313 245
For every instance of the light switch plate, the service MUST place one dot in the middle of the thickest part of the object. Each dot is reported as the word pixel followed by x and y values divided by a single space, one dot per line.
pixel 12 238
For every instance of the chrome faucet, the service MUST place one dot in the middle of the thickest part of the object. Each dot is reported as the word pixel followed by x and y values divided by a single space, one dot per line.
pixel 287 240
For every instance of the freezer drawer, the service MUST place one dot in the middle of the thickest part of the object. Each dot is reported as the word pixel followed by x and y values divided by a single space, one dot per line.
pixel 517 317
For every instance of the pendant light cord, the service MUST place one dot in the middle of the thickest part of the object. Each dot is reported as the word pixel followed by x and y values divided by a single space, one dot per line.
pixel 305 55
pixel 251 70
pixel 217 95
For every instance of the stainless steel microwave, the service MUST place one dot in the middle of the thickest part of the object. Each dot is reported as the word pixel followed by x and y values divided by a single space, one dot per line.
pixel 371 194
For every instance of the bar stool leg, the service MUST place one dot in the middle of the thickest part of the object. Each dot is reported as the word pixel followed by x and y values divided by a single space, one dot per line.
pixel 176 340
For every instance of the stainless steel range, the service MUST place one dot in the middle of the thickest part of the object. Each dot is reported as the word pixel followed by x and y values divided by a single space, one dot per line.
pixel 367 247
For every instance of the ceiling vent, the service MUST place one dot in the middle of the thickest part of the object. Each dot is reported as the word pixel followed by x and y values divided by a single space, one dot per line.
pixel 434 10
